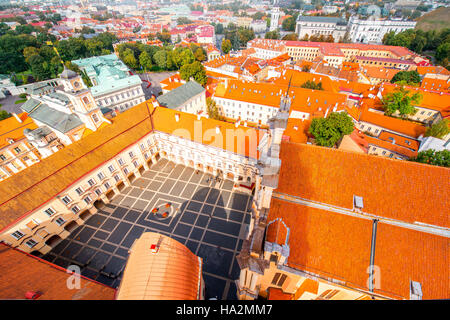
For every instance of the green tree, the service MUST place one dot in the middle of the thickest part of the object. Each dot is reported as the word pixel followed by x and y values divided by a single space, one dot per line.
pixel 226 45
pixel 433 157
pixel 4 115
pixel 183 20
pixel 290 37
pixel 439 130
pixel 182 56
pixel 212 109
pixel 218 28
pixel 199 54
pixel 29 52
pixel 288 24
pixel 400 100
pixel 312 85
pixel 195 70
pixel 272 35
pixel 408 77
pixel 160 58
pixel 39 67
pixel 130 60
pixel 328 131
pixel 145 60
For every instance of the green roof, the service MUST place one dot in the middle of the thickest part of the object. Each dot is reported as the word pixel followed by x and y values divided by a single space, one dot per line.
pixel 58 120
pixel 29 105
pixel 178 96
pixel 108 72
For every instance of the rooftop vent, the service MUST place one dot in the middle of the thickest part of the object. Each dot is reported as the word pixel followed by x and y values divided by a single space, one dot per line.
pixel 358 202
pixel 177 117
pixel 154 248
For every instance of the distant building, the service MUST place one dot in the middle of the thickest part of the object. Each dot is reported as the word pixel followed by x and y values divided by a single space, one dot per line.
pixel 274 18
pixel 189 97
pixel 320 26
pixel 114 86
pixel 373 31
pixel 64 115
pixel 433 143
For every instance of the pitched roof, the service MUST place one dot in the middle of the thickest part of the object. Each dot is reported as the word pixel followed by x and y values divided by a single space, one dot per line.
pixel 172 273
pixel 180 95
pixel 58 120
pixel 389 187
pixel 23 272
pixel 337 247
pixel 405 127
pixel 10 128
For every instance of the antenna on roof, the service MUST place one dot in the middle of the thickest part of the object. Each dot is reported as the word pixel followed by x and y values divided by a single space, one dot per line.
pixel 289 86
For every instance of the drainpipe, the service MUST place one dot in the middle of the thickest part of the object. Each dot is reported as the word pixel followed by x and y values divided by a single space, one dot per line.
pixel 372 254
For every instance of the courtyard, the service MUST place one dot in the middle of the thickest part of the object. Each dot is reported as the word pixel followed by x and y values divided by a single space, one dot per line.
pixel 204 214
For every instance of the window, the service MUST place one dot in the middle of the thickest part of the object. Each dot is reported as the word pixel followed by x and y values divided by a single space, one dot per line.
pixel 91 182
pixel 279 279
pixel 60 221
pixel 107 185
pixel 31 243
pixel 131 154
pixel 136 164
pixel 49 212
pixel 2 157
pixel 87 200
pixel 120 161
pixel 116 177
pixel 79 190
pixel 66 199
pixel 95 118
pixel 17 149
pixel 75 209
pixel 142 146
pixel 17 235
pixel 98 192
pixel 125 171
pixel 100 176
pixel 111 168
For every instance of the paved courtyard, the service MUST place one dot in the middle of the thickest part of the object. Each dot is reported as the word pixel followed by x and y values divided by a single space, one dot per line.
pixel 205 215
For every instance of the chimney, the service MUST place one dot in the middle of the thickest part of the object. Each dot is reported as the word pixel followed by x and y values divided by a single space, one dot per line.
pixel 154 248
pixel 17 117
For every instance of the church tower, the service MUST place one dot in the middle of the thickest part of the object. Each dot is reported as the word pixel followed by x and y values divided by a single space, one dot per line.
pixel 83 102
pixel 274 18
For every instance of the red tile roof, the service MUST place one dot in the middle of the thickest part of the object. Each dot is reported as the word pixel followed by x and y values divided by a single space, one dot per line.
pixel 404 254
pixel 390 188
pixel 22 272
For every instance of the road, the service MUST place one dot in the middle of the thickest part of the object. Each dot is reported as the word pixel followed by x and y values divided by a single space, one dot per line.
pixel 9 105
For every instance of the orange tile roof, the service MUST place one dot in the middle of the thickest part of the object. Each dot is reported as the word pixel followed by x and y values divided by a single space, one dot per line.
pixel 400 140
pixel 303 100
pixel 22 272
pixel 389 187
pixel 32 187
pixel 10 128
pixel 297 130
pixel 326 243
pixel 424 258
pixel 337 247
pixel 297 78
pixel 391 147
pixel 385 74
pixel 278 294
pixel 172 273
pixel 422 70
pixel 440 83
pixel 405 127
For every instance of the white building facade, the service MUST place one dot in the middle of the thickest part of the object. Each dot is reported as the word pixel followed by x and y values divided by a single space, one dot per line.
pixel 373 31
